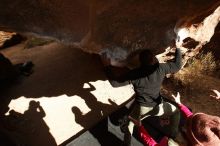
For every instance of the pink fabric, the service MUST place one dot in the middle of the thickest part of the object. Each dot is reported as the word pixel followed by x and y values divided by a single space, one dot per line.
pixel 186 112
pixel 146 138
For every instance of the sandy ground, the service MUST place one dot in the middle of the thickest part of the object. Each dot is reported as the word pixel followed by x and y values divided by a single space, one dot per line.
pixel 71 89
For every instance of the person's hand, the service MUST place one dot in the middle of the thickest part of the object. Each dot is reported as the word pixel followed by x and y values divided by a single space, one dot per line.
pixel 217 96
pixel 177 98
pixel 188 55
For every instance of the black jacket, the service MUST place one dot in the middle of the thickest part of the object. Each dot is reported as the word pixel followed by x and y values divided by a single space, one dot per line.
pixel 146 80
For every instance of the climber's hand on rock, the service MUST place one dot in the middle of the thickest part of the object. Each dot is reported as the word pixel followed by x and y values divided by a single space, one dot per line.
pixel 188 55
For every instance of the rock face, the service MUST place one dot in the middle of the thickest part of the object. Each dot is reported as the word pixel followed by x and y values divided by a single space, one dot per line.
pixel 64 20
pixel 5 36
pixel 8 39
pixel 118 27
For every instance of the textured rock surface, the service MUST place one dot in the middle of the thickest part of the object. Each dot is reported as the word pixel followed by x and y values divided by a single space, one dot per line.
pixel 8 39
pixel 117 25
pixel 5 36
pixel 65 20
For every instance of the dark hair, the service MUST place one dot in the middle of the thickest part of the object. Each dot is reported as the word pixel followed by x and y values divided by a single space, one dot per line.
pixel 146 57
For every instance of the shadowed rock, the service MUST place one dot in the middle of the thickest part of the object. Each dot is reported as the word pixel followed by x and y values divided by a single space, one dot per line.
pixel 95 25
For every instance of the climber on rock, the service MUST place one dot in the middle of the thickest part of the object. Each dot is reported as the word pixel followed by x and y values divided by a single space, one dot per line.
pixel 146 80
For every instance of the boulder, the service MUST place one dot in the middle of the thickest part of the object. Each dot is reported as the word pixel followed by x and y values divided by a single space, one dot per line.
pixel 98 26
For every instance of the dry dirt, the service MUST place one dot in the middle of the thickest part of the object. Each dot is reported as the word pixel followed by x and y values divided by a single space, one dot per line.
pixel 198 97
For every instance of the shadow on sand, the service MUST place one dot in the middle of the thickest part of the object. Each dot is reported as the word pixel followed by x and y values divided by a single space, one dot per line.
pixel 58 70
pixel 26 129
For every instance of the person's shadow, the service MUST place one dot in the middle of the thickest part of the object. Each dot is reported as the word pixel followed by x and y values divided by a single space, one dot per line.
pixel 28 128
pixel 63 70
pixel 98 111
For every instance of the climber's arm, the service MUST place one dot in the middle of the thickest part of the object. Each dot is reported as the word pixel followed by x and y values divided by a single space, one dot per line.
pixel 118 76
pixel 172 67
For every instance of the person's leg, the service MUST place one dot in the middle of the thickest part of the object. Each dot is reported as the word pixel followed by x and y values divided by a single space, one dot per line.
pixel 127 138
pixel 136 113
pixel 129 129
pixel 165 108
pixel 141 112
